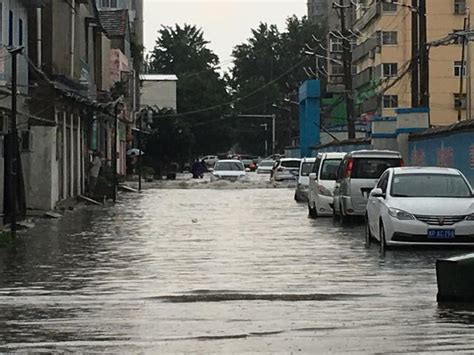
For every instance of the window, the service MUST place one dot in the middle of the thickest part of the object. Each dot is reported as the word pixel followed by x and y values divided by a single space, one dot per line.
pixel 306 169
pixel 336 45
pixel 316 166
pixel 383 182
pixel 329 169
pixel 459 7
pixel 460 101
pixel 109 3
pixel 337 69
pixel 372 168
pixel 20 32
pixel 390 101
pixel 389 37
pixel 389 7
pixel 458 67
pixel 389 70
pixel 430 185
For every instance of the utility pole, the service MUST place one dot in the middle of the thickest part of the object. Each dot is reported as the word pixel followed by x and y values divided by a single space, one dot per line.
pixel 415 80
pixel 347 60
pixel 273 134
pixel 424 57
pixel 461 76
pixel 13 142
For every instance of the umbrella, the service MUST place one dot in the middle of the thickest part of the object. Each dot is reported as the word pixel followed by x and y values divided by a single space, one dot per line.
pixel 135 151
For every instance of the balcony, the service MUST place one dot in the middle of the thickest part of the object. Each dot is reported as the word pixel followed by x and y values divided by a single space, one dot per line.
pixel 363 78
pixel 369 15
pixel 364 49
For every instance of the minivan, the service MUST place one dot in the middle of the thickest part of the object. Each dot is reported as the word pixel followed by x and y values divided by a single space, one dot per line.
pixel 306 167
pixel 356 176
pixel 322 181
pixel 286 169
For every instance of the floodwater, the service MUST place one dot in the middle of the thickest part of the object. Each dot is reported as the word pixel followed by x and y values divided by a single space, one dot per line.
pixel 219 270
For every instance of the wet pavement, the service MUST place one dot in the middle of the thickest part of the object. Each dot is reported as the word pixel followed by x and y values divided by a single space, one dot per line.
pixel 189 268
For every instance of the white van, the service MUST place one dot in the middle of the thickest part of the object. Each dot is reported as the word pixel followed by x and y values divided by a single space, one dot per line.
pixel 357 176
pixel 306 167
pixel 322 181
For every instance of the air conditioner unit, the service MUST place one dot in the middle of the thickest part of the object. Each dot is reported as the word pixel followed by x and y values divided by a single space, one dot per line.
pixel 26 141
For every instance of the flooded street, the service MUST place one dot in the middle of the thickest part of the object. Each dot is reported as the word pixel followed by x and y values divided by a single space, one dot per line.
pixel 219 270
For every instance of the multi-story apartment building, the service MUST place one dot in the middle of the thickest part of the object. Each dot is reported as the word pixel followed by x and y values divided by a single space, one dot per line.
pixel 383 54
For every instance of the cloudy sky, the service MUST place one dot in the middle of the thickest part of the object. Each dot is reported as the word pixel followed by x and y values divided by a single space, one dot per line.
pixel 225 22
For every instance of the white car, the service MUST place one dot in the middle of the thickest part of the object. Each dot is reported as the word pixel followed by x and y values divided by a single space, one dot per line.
pixel 306 167
pixel 322 181
pixel 230 170
pixel 210 160
pixel 421 205
pixel 265 167
pixel 286 169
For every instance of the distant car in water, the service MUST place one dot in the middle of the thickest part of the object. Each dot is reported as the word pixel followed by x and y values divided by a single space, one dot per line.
pixel 421 205
pixel 249 164
pixel 286 169
pixel 209 160
pixel 265 167
pixel 306 166
pixel 229 169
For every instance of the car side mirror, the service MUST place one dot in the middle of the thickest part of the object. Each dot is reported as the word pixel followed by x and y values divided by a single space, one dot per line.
pixel 377 192
pixel 313 176
pixel 211 170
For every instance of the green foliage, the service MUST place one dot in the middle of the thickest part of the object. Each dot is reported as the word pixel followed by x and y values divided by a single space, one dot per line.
pixel 183 51
pixel 267 59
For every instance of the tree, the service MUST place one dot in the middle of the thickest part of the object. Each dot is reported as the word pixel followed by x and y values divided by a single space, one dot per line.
pixel 182 50
pixel 269 67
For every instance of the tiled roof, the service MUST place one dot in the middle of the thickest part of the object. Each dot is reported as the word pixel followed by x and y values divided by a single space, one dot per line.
pixel 114 22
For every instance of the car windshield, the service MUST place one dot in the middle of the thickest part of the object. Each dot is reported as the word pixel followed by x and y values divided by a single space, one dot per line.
pixel 229 165
pixel 372 168
pixel 266 163
pixel 306 169
pixel 329 169
pixel 430 185
pixel 290 163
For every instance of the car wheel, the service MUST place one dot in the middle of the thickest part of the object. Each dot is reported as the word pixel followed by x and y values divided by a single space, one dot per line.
pixel 383 241
pixel 368 235
pixel 313 214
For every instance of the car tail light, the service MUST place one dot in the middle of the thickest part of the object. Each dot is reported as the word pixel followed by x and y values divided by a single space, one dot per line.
pixel 350 165
pixel 402 163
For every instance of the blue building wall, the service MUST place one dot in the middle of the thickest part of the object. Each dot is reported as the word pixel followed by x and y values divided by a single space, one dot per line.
pixel 310 115
pixel 449 149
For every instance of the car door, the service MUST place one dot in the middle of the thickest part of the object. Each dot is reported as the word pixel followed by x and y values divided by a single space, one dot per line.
pixel 337 187
pixel 375 204
pixel 312 187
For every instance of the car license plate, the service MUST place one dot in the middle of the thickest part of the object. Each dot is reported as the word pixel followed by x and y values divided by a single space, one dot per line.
pixel 441 234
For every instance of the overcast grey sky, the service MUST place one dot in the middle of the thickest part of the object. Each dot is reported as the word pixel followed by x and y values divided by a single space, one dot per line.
pixel 225 22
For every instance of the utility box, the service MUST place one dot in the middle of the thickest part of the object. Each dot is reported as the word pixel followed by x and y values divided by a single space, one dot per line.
pixel 455 277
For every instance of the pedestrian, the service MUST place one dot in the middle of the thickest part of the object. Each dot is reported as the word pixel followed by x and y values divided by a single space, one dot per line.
pixel 96 164
pixel 196 169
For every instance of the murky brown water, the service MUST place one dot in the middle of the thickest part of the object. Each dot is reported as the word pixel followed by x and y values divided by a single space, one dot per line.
pixel 219 270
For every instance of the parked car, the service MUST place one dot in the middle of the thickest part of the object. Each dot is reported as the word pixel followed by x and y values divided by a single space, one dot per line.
pixel 210 160
pixel 306 167
pixel 286 169
pixel 229 169
pixel 322 181
pixel 265 167
pixel 356 177
pixel 421 205
pixel 249 164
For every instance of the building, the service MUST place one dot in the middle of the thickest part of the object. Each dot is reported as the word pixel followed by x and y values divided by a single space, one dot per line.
pixel 158 90
pixel 383 54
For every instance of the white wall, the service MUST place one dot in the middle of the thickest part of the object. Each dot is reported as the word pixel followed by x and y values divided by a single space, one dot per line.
pixel 159 93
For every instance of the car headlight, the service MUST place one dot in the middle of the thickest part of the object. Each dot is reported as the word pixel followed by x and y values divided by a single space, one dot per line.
pixel 470 217
pixel 324 191
pixel 400 214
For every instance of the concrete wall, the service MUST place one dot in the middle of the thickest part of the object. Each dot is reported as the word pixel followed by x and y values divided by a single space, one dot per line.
pixel 159 93
pixel 452 147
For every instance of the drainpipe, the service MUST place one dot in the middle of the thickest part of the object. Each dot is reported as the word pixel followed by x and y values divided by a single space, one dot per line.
pixel 73 34
pixel 38 36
